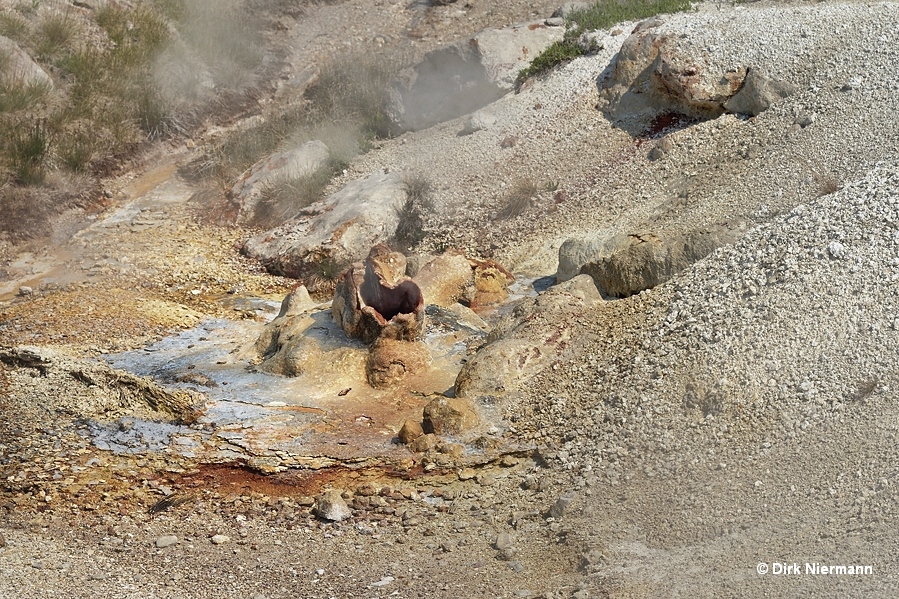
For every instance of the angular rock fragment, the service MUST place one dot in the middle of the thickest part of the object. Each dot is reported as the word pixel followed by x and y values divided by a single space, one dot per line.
pixel 446 280
pixel 166 541
pixel 661 78
pixel 424 443
pixel 331 506
pixel 491 282
pixel 449 416
pixel 560 506
pixel 296 302
pixel 641 261
pixel 758 93
pixel 410 431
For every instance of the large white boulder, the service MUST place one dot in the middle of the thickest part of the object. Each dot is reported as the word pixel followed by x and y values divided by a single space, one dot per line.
pixel 464 76
pixel 298 162
pixel 661 72
pixel 17 66
pixel 337 230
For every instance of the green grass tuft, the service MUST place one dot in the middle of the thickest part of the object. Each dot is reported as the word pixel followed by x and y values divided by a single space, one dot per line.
pixel 17 95
pixel 14 27
pixel 27 150
pixel 55 32
pixel 599 16
pixel 75 150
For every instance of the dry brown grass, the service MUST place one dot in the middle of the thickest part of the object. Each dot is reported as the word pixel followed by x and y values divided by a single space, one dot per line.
pixel 410 230
pixel 124 73
pixel 283 200
pixel 27 212
pixel 827 183
pixel 519 199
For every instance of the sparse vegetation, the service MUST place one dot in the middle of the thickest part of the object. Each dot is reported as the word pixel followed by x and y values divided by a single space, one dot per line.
pixel 17 94
pixel 827 183
pixel 123 73
pixel 54 34
pixel 283 200
pixel 599 16
pixel 344 108
pixel 519 199
pixel 322 282
pixel 27 148
pixel 75 149
pixel 351 89
pixel 225 160
pixel 13 26
pixel 23 212
pixel 410 230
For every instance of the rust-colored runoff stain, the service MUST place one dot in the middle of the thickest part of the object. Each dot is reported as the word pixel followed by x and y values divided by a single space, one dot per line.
pixel 667 122
pixel 149 180
pixel 239 479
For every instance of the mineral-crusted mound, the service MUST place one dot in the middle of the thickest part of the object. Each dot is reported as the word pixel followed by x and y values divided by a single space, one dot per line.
pixel 379 302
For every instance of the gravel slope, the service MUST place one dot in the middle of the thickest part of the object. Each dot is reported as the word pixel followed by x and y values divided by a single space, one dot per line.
pixel 839 54
pixel 742 413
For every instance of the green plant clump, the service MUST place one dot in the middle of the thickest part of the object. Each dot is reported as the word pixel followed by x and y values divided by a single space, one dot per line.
pixel 599 16
pixel 27 148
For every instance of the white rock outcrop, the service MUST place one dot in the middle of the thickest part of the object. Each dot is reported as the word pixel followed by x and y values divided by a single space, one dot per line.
pixel 18 66
pixel 298 162
pixel 464 76
pixel 340 229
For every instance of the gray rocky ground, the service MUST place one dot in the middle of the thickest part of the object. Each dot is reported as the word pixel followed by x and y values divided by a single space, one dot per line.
pixel 689 440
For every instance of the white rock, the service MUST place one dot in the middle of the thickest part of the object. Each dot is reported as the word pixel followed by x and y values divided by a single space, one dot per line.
pixel 836 250
pixel 19 67
pixel 383 582
pixel 166 541
pixel 331 506
pixel 343 227
pixel 290 164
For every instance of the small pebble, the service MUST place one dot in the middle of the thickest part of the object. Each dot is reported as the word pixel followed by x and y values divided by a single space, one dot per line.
pixel 166 541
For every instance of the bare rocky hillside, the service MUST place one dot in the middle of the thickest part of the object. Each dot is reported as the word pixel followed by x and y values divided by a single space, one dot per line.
pixel 639 338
